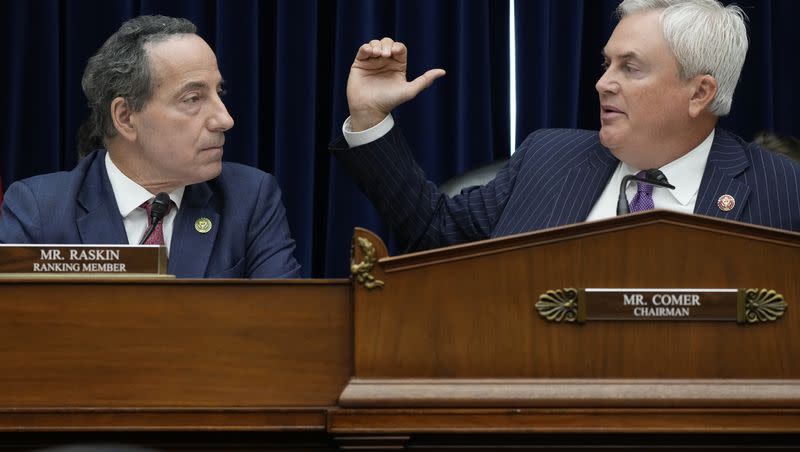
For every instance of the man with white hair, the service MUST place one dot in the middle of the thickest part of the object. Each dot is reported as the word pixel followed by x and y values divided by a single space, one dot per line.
pixel 671 67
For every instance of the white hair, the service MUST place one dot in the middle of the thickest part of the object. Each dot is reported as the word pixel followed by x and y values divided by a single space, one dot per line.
pixel 705 37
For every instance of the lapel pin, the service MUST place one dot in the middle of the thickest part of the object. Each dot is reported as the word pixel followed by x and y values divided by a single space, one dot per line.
pixel 726 203
pixel 202 225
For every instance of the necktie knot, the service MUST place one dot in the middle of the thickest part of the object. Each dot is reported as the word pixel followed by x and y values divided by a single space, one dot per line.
pixel 643 200
pixel 157 237
pixel 148 207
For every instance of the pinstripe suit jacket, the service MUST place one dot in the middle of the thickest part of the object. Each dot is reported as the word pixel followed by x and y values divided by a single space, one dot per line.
pixel 554 178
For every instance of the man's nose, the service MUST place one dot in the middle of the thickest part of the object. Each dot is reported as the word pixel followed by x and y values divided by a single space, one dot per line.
pixel 221 120
pixel 606 83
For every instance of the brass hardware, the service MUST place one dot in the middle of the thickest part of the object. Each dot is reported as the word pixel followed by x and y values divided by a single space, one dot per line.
pixel 361 271
pixel 763 305
pixel 559 305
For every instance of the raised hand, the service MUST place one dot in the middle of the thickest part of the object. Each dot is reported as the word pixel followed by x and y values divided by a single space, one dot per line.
pixel 377 82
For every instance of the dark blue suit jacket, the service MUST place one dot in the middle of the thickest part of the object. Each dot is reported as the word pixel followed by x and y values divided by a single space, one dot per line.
pixel 249 237
pixel 554 178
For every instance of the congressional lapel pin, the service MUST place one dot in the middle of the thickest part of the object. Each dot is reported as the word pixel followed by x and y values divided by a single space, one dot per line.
pixel 726 203
pixel 202 225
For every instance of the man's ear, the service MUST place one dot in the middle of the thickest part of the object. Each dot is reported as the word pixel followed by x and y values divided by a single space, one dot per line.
pixel 122 116
pixel 705 90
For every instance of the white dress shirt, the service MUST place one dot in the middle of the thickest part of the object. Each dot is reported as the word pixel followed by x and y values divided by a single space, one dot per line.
pixel 685 174
pixel 130 196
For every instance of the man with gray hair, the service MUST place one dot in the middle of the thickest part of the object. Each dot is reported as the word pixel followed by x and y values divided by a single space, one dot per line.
pixel 671 68
pixel 155 136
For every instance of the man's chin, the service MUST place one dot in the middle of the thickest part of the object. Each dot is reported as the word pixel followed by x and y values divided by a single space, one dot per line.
pixel 613 143
pixel 215 170
pixel 208 172
pixel 608 138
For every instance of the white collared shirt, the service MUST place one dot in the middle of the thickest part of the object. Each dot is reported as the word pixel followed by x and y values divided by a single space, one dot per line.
pixel 130 196
pixel 685 174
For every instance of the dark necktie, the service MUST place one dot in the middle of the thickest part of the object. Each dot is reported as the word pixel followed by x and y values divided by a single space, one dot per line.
pixel 157 237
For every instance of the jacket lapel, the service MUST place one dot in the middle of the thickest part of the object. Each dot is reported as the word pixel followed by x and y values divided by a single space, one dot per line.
pixel 582 187
pixel 726 161
pixel 190 250
pixel 101 222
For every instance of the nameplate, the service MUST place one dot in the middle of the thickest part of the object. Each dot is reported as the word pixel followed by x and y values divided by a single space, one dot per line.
pixel 28 260
pixel 668 304
pixel 661 304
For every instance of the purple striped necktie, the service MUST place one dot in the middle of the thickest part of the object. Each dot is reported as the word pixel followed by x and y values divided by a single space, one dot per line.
pixel 644 196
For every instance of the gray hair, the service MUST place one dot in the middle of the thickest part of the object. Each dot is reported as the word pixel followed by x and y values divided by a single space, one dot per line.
pixel 121 68
pixel 705 37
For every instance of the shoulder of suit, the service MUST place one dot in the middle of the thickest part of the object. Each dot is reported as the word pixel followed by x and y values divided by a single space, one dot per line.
pixel 565 140
pixel 240 174
pixel 564 135
pixel 240 169
pixel 781 162
pixel 759 155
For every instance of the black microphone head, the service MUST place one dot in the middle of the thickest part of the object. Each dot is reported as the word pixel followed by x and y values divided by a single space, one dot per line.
pixel 656 174
pixel 160 205
pixel 656 177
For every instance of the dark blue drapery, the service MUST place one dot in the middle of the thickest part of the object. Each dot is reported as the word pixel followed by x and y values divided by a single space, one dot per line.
pixel 286 63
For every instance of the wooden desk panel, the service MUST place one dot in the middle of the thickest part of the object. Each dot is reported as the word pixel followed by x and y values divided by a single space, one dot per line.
pixel 173 353
pixel 470 308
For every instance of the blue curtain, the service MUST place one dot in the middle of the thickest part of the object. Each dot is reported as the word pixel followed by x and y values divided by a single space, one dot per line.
pixel 558 62
pixel 285 63
pixel 461 122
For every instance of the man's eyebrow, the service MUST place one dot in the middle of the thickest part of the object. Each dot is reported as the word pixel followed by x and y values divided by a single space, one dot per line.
pixel 193 85
pixel 630 56
pixel 625 56
pixel 198 85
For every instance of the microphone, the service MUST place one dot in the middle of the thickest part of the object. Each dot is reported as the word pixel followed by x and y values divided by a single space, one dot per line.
pixel 651 176
pixel 157 212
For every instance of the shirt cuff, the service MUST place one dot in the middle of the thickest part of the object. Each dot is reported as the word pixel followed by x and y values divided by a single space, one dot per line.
pixel 355 139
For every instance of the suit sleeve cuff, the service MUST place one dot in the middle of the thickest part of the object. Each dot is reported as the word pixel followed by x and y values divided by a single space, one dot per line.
pixel 355 139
